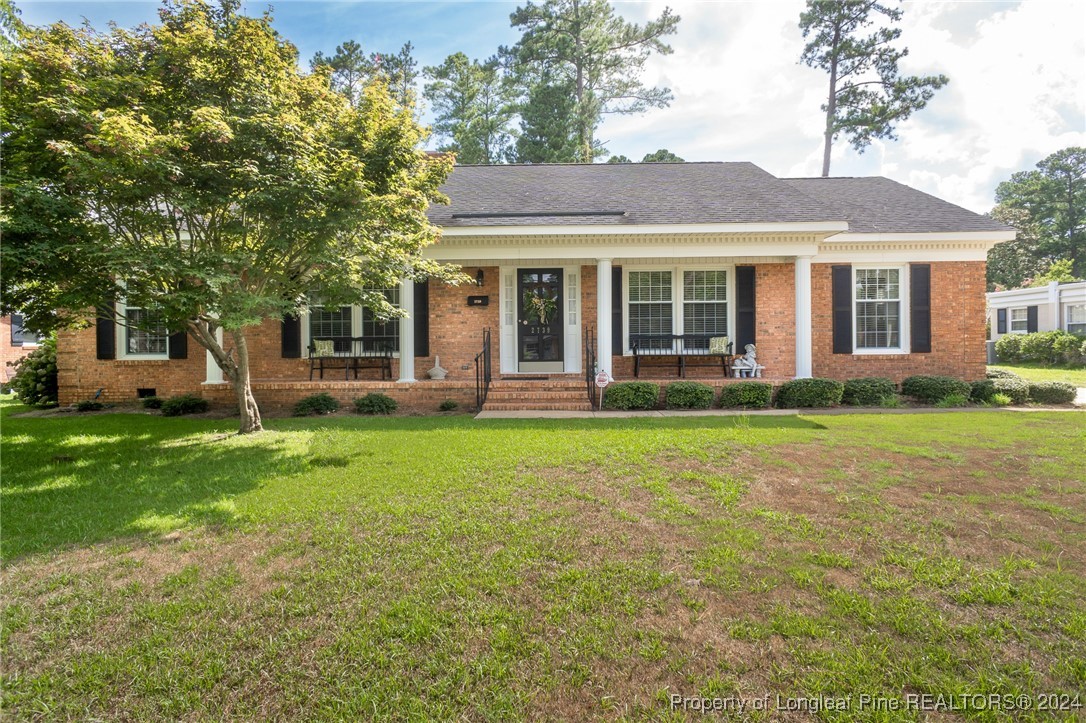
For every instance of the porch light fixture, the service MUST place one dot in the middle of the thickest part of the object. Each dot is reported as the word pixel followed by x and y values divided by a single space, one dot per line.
pixel 479 277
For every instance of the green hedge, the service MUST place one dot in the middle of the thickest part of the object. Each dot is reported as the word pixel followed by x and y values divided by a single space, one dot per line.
pixel 688 395
pixel 375 403
pixel 749 395
pixel 1042 347
pixel 1015 388
pixel 1052 392
pixel 810 393
pixel 631 395
pixel 868 391
pixel 982 390
pixel 932 389
pixel 1001 374
pixel 184 404
pixel 322 403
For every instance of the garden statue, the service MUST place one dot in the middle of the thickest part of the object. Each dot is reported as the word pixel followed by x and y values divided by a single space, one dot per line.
pixel 437 372
pixel 747 365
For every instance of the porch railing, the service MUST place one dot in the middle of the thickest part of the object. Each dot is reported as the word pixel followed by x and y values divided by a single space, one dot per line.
pixel 590 365
pixel 482 372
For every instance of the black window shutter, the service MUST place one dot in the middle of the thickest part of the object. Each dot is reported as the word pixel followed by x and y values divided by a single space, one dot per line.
pixel 616 310
pixel 106 333
pixel 1031 319
pixel 842 309
pixel 178 345
pixel 920 307
pixel 292 337
pixel 744 308
pixel 422 318
pixel 1001 321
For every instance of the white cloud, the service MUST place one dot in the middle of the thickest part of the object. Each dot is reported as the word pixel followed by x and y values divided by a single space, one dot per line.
pixel 1017 93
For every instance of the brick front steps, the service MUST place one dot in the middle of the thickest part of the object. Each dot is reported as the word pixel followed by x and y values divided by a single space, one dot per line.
pixel 565 393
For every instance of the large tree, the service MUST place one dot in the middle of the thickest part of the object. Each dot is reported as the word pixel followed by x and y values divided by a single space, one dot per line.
pixel 546 135
pixel 1048 206
pixel 585 47
pixel 352 69
pixel 474 105
pixel 190 168
pixel 867 95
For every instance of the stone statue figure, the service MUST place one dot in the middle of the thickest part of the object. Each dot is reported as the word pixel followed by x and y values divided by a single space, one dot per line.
pixel 747 365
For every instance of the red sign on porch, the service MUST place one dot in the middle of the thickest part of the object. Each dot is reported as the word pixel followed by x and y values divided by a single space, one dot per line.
pixel 602 380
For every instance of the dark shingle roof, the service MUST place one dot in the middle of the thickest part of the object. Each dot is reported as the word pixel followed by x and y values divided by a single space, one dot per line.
pixel 629 193
pixel 878 205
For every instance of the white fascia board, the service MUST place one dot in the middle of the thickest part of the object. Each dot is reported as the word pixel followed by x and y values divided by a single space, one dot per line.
pixel 988 237
pixel 595 250
pixel 825 227
pixel 1018 297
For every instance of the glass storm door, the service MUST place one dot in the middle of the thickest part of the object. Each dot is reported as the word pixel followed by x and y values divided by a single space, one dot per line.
pixel 539 317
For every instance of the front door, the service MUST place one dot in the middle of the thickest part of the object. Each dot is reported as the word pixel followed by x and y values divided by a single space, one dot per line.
pixel 539 320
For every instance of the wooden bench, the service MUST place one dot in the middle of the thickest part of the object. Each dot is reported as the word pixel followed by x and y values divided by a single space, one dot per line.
pixel 682 348
pixel 350 353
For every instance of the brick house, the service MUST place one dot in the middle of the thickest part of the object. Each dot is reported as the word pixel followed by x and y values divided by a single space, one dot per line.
pixel 579 265
pixel 15 343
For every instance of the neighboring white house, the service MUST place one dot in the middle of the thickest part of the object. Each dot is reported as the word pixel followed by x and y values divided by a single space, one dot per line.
pixel 1043 308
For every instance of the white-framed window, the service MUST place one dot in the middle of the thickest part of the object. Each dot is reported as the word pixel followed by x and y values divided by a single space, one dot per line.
pixel 1019 320
pixel 380 333
pixel 141 334
pixel 878 309
pixel 20 336
pixel 692 301
pixel 1076 318
pixel 355 321
pixel 334 321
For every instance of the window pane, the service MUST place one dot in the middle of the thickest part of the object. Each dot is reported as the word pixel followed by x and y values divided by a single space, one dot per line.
pixel 878 325
pixel 1076 314
pixel 705 285
pixel 646 286
pixel 705 312
pixel 144 332
pixel 329 322
pixel 650 307
pixel 380 334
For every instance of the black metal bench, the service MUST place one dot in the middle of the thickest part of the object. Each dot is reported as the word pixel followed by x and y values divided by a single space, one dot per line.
pixel 351 353
pixel 647 347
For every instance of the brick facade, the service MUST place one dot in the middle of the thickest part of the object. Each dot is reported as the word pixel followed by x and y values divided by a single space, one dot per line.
pixel 957 329
pixel 456 336
pixel 9 353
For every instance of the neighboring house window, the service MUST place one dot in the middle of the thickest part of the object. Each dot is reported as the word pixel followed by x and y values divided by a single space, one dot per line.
pixel 144 333
pixel 705 303
pixel 19 335
pixel 650 307
pixel 329 322
pixel 877 309
pixel 1019 321
pixel 1076 319
pixel 382 332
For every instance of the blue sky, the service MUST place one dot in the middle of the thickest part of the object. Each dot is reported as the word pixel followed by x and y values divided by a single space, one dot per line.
pixel 1017 70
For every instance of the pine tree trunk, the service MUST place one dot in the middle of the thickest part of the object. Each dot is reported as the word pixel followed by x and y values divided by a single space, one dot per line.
pixel 831 104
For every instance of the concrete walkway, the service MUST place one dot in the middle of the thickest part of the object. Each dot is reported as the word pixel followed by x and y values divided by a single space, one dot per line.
pixel 550 414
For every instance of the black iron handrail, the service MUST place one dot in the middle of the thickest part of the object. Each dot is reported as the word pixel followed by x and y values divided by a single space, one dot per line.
pixel 482 372
pixel 590 364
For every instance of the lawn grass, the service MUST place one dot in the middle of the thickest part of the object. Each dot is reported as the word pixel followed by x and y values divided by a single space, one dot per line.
pixel 1038 373
pixel 448 568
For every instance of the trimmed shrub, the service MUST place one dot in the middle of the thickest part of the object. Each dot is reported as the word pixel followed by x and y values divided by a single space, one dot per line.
pixel 35 380
pixel 375 403
pixel 322 403
pixel 1000 400
pixel 89 405
pixel 981 390
pixel 631 395
pixel 1001 374
pixel 1052 392
pixel 448 405
pixel 749 395
pixel 1009 348
pixel 689 395
pixel 1067 349
pixel 810 393
pixel 1017 390
pixel 933 389
pixel 184 404
pixel 868 391
pixel 953 400
pixel 152 402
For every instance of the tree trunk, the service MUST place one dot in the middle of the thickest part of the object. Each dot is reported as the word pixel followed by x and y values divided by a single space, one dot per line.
pixel 831 104
pixel 236 370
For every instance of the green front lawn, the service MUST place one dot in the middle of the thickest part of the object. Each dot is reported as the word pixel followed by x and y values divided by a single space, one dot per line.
pixel 1037 373
pixel 447 568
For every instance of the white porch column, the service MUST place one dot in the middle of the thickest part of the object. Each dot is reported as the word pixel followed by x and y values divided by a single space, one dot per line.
pixel 213 374
pixel 603 315
pixel 407 331
pixel 804 363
